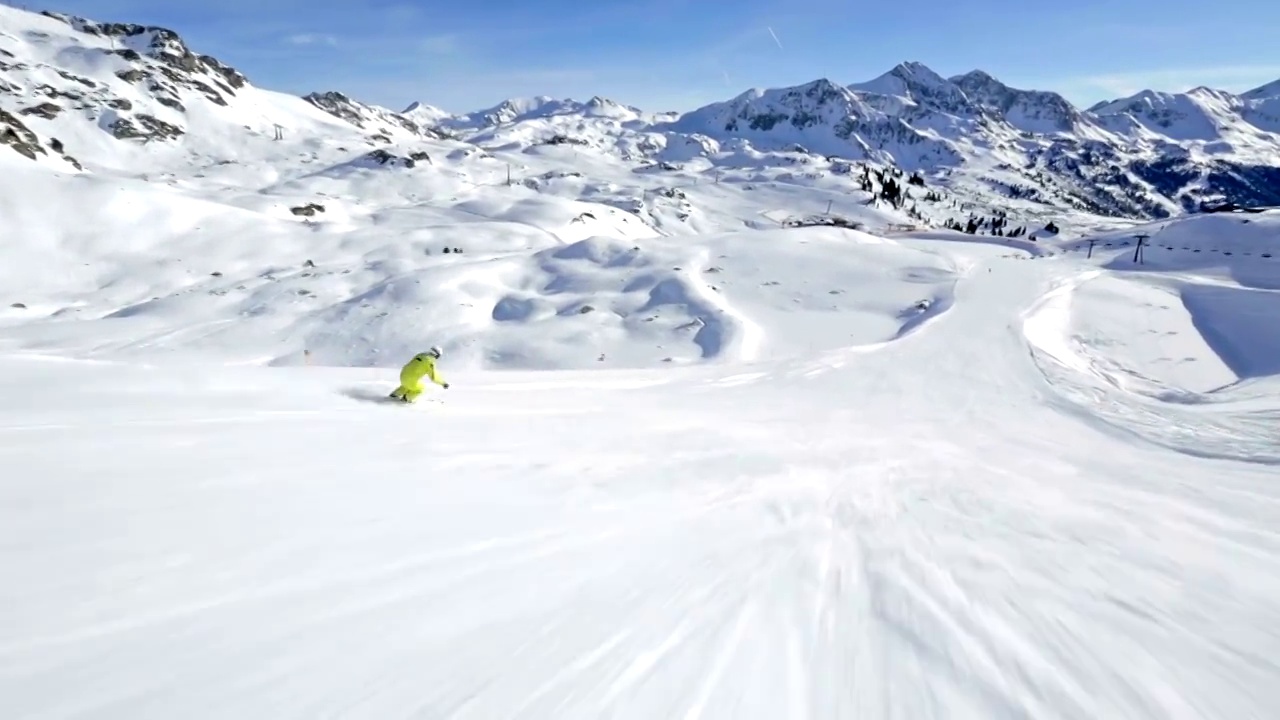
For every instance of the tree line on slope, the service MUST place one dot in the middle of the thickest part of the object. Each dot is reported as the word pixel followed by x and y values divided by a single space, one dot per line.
pixel 895 194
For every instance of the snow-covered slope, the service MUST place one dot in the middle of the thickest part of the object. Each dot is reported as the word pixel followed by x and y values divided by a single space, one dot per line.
pixel 495 272
pixel 728 434
pixel 1050 494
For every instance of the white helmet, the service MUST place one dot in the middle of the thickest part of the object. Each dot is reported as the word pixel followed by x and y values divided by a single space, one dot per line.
pixel 434 351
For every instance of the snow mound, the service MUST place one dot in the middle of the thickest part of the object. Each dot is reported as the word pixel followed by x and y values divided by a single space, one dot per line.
pixel 598 288
pixel 1179 346
pixel 1200 293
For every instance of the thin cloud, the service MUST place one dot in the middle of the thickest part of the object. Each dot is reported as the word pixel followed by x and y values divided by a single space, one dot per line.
pixel 733 44
pixel 535 77
pixel 312 39
pixel 1233 78
pixel 439 44
pixel 775 37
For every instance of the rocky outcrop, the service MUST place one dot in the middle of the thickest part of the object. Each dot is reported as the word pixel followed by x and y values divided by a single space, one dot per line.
pixel 19 137
pixel 46 110
pixel 144 127
pixel 22 140
pixel 563 140
pixel 176 61
pixel 167 75
pixel 383 158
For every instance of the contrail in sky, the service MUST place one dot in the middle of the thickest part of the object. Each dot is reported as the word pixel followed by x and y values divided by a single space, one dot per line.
pixel 775 37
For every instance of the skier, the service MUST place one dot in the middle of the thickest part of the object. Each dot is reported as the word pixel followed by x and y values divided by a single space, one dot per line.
pixel 422 364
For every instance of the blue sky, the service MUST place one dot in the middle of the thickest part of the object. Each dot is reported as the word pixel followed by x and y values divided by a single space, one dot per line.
pixel 464 55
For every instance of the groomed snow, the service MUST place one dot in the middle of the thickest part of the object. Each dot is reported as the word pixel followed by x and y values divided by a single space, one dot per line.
pixel 691 464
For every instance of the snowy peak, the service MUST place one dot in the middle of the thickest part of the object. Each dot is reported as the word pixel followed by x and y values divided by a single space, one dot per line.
pixel 904 117
pixel 425 114
pixel 604 107
pixel 817 96
pixel 1154 102
pixel 799 107
pixel 789 111
pixel 1139 155
pixel 1034 111
pixel 385 124
pixel 827 118
pixel 905 80
pixel 913 87
pixel 1201 114
pixel 513 109
pixel 980 82
pixel 1222 121
pixel 542 107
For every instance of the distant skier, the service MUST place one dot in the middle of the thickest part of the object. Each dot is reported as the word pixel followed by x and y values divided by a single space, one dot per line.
pixel 422 365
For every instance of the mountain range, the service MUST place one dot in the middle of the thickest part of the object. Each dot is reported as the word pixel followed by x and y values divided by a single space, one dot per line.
pixel 75 92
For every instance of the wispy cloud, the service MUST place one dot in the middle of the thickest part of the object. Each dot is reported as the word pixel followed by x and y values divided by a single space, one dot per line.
pixel 525 82
pixel 312 39
pixel 1233 78
pixel 774 35
pixel 410 48
pixel 439 44
pixel 726 50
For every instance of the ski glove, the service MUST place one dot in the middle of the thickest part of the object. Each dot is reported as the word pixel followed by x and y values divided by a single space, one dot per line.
pixel 445 386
